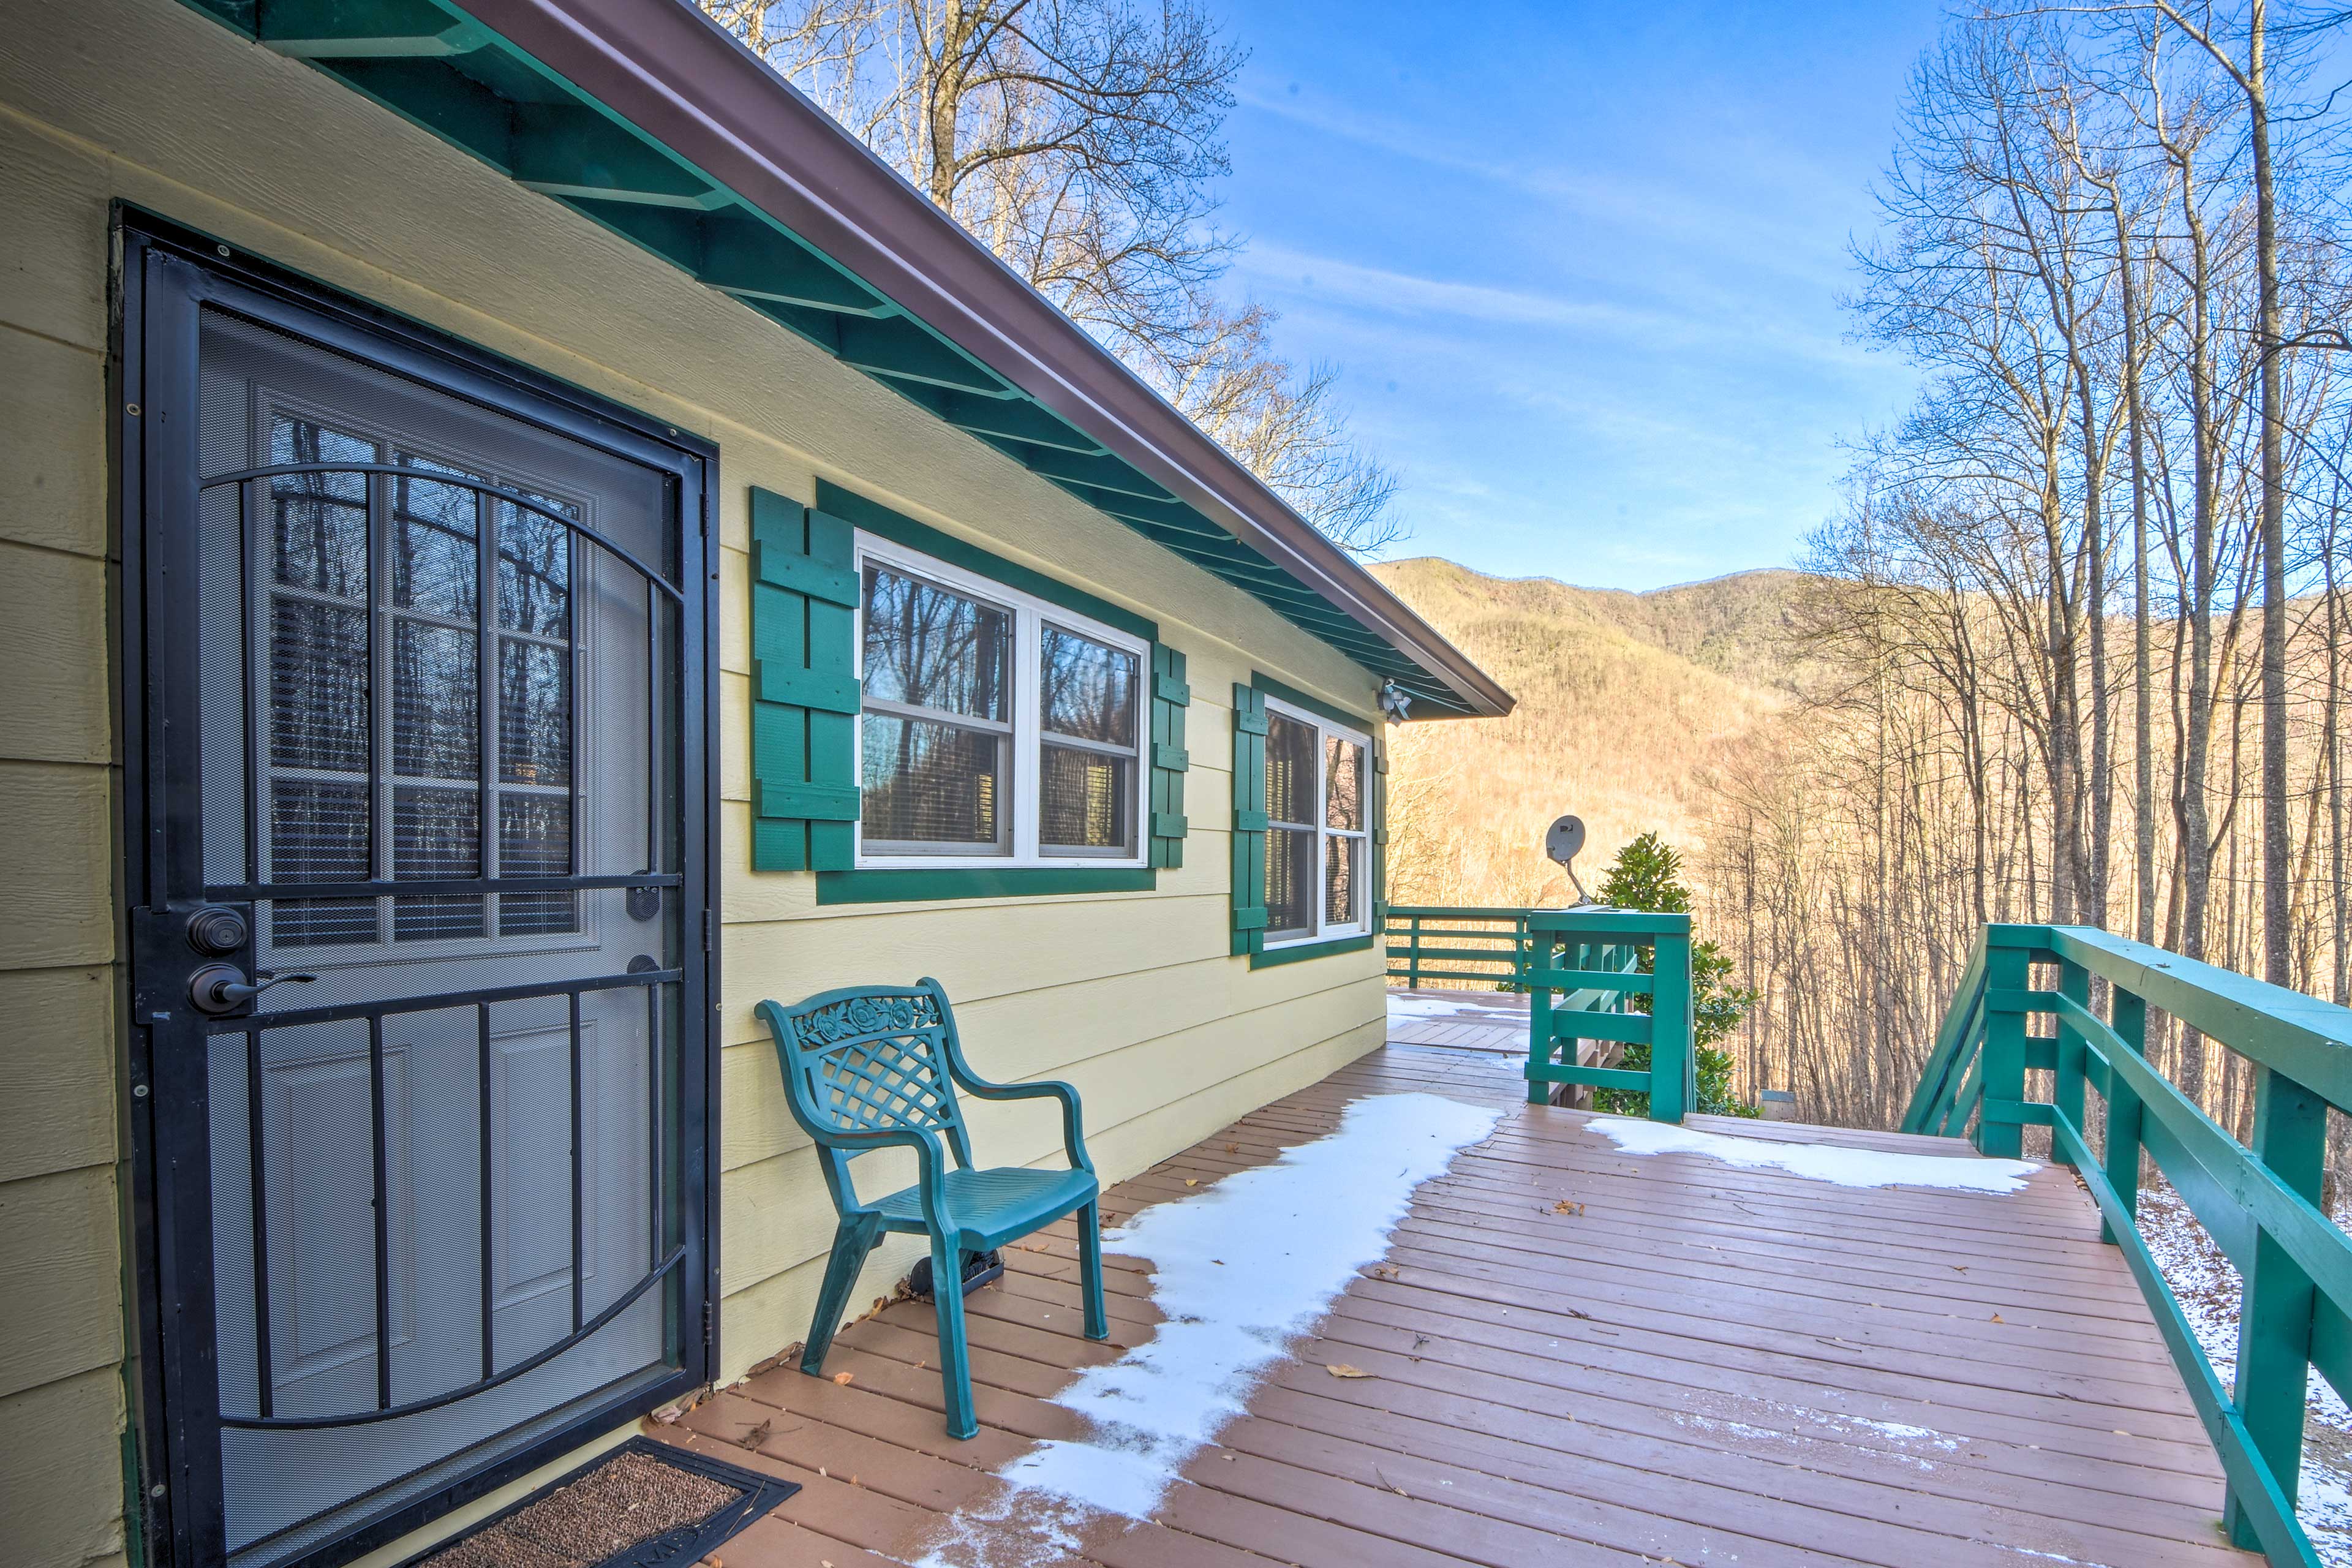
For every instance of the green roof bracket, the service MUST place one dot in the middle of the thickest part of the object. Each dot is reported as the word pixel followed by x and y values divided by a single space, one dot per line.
pixel 567 150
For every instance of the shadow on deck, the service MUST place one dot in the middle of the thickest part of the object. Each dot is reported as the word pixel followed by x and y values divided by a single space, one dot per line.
pixel 1706 1365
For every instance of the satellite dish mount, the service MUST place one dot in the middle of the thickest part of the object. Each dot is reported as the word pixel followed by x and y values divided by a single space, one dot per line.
pixel 1562 840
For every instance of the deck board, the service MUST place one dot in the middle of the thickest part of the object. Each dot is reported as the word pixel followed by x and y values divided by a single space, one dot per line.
pixel 1481 1021
pixel 1705 1364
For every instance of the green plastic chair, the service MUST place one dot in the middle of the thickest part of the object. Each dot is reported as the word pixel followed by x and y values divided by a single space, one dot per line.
pixel 870 1067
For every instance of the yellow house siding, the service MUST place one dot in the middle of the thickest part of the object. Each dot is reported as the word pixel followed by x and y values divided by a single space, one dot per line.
pixel 1130 996
pixel 60 1258
pixel 61 1448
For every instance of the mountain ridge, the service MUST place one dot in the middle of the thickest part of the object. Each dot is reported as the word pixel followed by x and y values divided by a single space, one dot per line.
pixel 1627 704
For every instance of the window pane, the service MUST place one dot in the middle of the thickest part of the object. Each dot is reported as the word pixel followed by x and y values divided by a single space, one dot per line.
pixel 534 571
pixel 1343 891
pixel 930 648
pixel 436 833
pixel 534 712
pixel 1343 783
pixel 535 840
pixel 434 567
pixel 1088 690
pixel 318 686
pixel 1087 800
pixel 318 521
pixel 1289 882
pixel 319 833
pixel 435 701
pixel 1289 772
pixel 928 782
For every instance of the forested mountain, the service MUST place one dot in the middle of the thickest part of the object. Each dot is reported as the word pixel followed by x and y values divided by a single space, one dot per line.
pixel 1625 703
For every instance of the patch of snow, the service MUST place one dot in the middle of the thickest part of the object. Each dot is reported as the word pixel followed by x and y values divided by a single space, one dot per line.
pixel 2207 1285
pixel 1436 1007
pixel 2324 1504
pixel 1239 1271
pixel 1899 1431
pixel 1821 1162
pixel 1902 1437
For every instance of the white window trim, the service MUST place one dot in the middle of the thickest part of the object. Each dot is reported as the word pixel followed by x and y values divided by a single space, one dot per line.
pixel 1029 615
pixel 1323 728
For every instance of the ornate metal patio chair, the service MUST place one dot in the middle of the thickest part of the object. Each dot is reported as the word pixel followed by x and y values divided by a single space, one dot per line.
pixel 869 1068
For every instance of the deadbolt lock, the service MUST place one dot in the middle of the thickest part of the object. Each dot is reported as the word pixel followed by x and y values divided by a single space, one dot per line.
pixel 217 929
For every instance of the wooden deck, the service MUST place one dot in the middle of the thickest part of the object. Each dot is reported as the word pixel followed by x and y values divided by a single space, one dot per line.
pixel 1459 1020
pixel 1704 1365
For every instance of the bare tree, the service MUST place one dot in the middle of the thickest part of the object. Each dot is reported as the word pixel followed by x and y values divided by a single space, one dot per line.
pixel 1081 140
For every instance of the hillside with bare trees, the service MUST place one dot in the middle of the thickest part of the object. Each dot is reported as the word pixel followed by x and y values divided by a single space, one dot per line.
pixel 1693 671
pixel 2074 647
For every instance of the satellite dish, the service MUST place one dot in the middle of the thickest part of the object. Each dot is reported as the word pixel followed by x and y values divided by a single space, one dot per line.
pixel 1562 840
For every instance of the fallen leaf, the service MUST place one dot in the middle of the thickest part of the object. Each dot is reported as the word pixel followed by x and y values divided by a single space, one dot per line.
pixel 1564 1206
pixel 1341 1369
pixel 1192 1181
pixel 1957 1267
pixel 1996 1316
pixel 843 1378
pixel 755 1436
pixel 1232 1148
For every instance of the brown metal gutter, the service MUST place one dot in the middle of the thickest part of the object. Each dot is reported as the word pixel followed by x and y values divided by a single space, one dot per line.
pixel 682 79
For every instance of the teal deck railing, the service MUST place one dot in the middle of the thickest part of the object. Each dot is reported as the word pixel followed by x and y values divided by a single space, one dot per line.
pixel 1584 969
pixel 1457 945
pixel 2258 1201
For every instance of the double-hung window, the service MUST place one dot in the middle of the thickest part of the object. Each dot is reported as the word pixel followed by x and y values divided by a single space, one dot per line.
pixel 996 729
pixel 1318 843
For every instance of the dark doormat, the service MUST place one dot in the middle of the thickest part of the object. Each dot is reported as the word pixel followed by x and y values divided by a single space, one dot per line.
pixel 642 1505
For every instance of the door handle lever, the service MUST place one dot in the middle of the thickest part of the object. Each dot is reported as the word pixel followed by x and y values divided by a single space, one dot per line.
pixel 219 988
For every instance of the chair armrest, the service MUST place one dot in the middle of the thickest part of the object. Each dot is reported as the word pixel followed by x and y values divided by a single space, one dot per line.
pixel 1073 1142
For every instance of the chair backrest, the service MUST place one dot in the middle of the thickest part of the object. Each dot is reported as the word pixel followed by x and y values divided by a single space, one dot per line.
pixel 869 1060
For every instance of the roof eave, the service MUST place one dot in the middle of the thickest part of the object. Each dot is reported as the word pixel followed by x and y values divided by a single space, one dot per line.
pixel 682 79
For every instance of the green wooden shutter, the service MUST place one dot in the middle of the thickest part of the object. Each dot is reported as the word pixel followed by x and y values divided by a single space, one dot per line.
pixel 1170 760
pixel 1379 828
pixel 804 687
pixel 1249 820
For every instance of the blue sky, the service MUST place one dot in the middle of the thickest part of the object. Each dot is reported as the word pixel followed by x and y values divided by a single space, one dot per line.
pixel 1578 263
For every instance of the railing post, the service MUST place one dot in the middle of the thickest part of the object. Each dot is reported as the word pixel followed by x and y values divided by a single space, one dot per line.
pixel 1670 1027
pixel 2274 1312
pixel 1539 1044
pixel 2007 969
pixel 2066 1082
pixel 2129 1022
pixel 1412 957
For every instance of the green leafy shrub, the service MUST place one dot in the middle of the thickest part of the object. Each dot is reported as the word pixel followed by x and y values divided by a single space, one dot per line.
pixel 1647 875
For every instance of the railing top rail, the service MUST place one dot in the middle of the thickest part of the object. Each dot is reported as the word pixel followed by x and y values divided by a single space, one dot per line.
pixel 2302 1036
pixel 1602 920
pixel 1456 912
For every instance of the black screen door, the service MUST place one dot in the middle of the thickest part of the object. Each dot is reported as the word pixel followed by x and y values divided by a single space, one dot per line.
pixel 416 854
